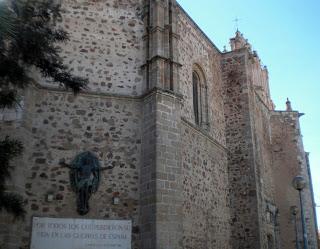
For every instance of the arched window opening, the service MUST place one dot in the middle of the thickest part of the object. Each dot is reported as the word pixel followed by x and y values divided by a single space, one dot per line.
pixel 200 98
pixel 196 88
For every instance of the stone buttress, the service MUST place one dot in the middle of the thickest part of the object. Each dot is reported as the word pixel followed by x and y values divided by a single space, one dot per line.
pixel 161 185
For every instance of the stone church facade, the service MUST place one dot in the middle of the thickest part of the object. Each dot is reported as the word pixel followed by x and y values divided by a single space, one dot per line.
pixel 188 136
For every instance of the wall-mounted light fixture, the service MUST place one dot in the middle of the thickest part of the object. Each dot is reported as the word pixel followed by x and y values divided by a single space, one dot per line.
pixel 299 183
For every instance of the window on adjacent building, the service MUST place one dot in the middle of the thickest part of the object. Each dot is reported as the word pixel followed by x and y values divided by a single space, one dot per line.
pixel 200 98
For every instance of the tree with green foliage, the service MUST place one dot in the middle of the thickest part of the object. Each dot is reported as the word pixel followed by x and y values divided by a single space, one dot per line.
pixel 11 202
pixel 28 41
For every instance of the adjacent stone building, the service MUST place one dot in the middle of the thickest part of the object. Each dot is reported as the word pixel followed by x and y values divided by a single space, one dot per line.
pixel 187 135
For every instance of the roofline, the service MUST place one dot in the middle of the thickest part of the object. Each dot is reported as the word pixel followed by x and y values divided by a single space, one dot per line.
pixel 197 26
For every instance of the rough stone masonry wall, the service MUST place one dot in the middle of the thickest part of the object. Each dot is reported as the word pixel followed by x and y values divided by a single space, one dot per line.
pixel 195 49
pixel 264 170
pixel 206 217
pixel 106 46
pixel 259 79
pixel 106 43
pixel 239 138
pixel 259 101
pixel 289 161
pixel 58 125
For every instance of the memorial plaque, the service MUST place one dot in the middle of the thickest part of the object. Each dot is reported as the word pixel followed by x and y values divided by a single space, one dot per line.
pixel 56 233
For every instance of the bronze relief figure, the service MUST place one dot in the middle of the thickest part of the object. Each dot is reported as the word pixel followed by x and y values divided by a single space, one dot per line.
pixel 84 179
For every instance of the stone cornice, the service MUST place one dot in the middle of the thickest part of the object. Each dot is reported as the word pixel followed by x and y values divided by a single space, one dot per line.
pixel 110 95
pixel 205 134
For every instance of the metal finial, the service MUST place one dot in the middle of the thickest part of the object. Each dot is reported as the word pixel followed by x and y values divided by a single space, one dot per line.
pixel 236 20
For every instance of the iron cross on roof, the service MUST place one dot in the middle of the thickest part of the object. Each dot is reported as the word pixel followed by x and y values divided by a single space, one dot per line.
pixel 236 20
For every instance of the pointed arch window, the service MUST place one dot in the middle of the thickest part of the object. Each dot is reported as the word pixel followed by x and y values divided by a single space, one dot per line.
pixel 196 88
pixel 200 98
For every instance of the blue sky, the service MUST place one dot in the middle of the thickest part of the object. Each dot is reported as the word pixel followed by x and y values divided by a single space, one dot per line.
pixel 286 35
